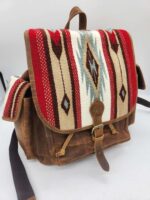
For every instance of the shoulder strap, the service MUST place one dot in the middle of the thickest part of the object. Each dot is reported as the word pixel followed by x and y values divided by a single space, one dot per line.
pixel 2 80
pixel 22 185
pixel 143 102
pixel 142 86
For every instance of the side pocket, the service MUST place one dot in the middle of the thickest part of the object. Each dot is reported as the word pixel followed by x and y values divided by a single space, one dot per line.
pixel 23 127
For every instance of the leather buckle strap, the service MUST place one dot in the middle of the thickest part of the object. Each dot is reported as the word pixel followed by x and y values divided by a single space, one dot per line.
pixel 96 110
pixel 94 136
pixel 96 139
pixel 99 126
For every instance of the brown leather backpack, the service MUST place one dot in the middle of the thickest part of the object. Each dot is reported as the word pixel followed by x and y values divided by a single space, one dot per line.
pixel 77 98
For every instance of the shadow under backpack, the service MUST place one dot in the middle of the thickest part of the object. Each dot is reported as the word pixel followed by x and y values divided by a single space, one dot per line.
pixel 77 97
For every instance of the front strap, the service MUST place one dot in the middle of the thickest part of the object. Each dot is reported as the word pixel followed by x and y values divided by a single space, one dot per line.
pixel 101 157
pixel 96 110
pixel 22 185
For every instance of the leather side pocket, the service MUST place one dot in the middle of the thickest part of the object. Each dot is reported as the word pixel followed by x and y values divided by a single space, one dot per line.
pixel 24 126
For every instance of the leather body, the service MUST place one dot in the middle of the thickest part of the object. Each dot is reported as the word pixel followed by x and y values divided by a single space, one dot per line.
pixel 41 143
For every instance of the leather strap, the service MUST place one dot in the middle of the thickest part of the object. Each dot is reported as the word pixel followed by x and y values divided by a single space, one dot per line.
pixel 22 185
pixel 96 111
pixel 82 18
pixel 142 86
pixel 2 80
pixel 143 102
pixel 141 81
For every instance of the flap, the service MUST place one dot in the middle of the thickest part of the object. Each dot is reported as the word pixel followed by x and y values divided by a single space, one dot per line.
pixel 69 69
pixel 13 98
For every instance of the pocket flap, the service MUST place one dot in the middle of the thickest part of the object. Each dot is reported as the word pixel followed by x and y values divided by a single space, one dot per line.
pixel 13 99
pixel 69 69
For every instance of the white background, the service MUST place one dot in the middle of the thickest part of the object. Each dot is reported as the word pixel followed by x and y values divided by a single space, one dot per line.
pixel 129 178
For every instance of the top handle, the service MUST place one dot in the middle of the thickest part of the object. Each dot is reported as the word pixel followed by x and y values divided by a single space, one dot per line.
pixel 82 18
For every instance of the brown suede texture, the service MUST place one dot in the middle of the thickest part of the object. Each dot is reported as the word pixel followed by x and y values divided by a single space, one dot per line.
pixel 96 110
pixel 41 143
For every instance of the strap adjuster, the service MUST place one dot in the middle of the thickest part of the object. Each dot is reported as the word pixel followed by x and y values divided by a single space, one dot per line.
pixel 99 126
pixel 99 138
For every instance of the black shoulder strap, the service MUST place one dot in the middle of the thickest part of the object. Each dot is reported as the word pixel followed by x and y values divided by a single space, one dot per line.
pixel 22 184
pixel 2 80
pixel 143 102
pixel 142 86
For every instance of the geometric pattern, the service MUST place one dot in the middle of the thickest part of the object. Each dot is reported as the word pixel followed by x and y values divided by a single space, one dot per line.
pixel 71 68
pixel 122 93
pixel 95 82
pixel 92 66
pixel 65 103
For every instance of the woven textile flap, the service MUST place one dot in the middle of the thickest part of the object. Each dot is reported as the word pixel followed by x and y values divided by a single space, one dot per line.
pixel 69 69
pixel 13 98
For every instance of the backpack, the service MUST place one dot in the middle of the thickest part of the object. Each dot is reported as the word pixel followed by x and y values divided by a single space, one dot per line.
pixel 77 97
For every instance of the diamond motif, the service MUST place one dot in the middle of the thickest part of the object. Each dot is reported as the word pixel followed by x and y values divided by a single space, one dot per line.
pixel 122 93
pixel 115 47
pixel 92 66
pixel 65 104
pixel 113 41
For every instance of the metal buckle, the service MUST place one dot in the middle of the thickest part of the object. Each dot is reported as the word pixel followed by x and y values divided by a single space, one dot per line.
pixel 100 138
pixel 99 126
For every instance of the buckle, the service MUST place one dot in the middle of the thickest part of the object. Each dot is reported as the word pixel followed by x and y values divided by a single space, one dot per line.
pixel 100 138
pixel 99 126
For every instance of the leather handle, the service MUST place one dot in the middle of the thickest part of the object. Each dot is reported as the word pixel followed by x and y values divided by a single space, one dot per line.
pixel 82 18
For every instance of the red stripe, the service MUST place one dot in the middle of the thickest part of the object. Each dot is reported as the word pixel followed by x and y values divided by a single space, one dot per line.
pixel 75 79
pixel 8 106
pixel 111 73
pixel 129 55
pixel 54 103
pixel 41 80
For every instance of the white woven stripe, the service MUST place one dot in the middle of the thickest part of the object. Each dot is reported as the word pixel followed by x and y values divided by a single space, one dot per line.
pixel 14 99
pixel 84 97
pixel 124 72
pixel 107 94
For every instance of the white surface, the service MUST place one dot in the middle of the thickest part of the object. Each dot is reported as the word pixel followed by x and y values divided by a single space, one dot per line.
pixel 128 179
pixel 16 16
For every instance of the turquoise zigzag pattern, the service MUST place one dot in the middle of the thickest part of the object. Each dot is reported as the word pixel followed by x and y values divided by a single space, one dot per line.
pixel 102 71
